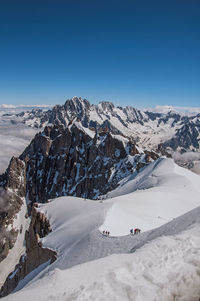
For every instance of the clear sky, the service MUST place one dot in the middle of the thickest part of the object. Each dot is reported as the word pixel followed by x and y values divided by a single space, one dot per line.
pixel 137 52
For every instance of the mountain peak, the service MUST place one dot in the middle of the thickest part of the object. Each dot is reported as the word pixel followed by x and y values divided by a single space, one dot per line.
pixel 106 105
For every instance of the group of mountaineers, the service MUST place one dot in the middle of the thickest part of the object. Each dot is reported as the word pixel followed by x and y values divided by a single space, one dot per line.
pixel 132 232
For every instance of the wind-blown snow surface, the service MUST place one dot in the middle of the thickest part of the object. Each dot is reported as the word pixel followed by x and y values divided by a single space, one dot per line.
pixel 167 268
pixel 161 192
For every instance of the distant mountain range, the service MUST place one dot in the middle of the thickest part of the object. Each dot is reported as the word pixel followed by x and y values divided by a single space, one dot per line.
pixel 150 130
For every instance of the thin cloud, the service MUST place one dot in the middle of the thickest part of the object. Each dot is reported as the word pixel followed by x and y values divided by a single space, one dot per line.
pixel 180 110
pixel 13 140
pixel 21 106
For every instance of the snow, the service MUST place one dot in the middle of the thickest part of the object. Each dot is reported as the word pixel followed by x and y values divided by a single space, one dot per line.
pixel 148 134
pixel 161 192
pixel 31 275
pixel 77 218
pixel 165 261
pixel 154 272
pixel 87 131
pixel 121 138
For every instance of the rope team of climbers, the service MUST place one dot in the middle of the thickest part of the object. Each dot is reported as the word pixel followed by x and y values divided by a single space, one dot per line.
pixel 136 231
pixel 106 233
pixel 132 232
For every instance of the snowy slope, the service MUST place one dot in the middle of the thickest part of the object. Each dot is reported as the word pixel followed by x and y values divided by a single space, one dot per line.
pixel 75 222
pixel 167 268
pixel 72 220
pixel 77 241
pixel 161 192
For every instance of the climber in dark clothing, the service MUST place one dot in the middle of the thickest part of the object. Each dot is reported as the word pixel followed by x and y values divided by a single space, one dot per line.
pixel 137 231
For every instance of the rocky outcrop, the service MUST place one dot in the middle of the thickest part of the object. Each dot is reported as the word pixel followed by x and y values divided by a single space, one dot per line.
pixel 186 138
pixel 35 253
pixel 147 158
pixel 67 161
pixel 12 192
pixel 71 161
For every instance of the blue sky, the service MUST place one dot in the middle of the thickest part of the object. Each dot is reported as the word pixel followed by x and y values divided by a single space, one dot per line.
pixel 140 53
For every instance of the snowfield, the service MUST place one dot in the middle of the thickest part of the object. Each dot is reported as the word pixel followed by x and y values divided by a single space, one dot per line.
pixel 167 268
pixel 159 193
pixel 161 263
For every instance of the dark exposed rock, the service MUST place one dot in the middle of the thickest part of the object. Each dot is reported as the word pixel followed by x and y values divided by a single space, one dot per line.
pixel 68 161
pixel 35 254
pixel 151 155
pixel 153 115
pixel 108 127
pixel 186 138
pixel 13 190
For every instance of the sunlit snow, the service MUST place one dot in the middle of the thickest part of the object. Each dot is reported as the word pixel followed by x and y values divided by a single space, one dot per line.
pixel 165 261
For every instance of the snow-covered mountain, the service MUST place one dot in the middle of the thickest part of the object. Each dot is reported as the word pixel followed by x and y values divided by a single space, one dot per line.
pixel 61 161
pixel 89 169
pixel 149 129
pixel 153 270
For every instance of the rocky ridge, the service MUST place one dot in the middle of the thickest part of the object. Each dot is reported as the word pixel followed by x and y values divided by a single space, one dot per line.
pixel 69 161
pixel 60 161
pixel 13 190
pixel 35 254
pixel 148 129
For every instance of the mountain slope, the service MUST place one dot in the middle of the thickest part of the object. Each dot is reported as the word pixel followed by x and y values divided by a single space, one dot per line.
pixel 155 270
pixel 159 193
pixel 91 152
pixel 58 162
pixel 147 128
pixel 78 162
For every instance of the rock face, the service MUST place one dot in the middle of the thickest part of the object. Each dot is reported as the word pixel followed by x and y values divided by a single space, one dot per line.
pixel 71 161
pixel 35 254
pixel 68 161
pixel 62 160
pixel 186 138
pixel 12 192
